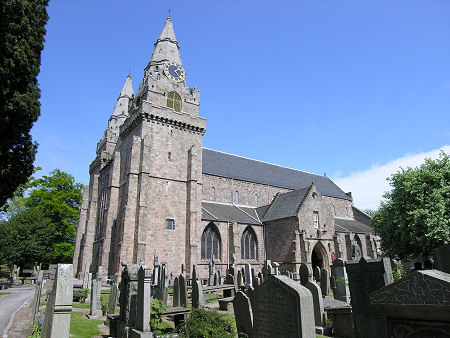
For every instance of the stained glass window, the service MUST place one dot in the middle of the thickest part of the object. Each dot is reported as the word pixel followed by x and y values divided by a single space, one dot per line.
pixel 248 244
pixel 174 101
pixel 211 242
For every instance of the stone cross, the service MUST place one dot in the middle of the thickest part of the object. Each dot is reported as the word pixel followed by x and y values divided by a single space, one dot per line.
pixel 59 305
pixel 243 314
pixel 283 308
pixel 143 304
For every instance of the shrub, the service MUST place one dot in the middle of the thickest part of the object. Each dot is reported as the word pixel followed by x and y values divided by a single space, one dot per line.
pixel 84 295
pixel 207 323
pixel 158 309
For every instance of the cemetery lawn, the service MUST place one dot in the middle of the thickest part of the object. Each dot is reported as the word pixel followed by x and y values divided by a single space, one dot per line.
pixel 81 305
pixel 82 327
pixel 4 293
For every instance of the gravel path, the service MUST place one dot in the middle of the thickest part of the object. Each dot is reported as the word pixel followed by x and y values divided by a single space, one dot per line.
pixel 10 303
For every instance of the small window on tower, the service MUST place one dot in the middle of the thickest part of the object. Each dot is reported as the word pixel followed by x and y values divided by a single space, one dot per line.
pixel 174 101
pixel 213 194
pixel 169 156
pixel 170 224
pixel 236 197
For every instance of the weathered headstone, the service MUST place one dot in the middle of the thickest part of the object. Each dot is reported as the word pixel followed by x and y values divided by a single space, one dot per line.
pixel 37 295
pixel 240 280
pixel 212 270
pixel 96 303
pixel 316 293
pixel 230 280
pixel 276 268
pixel 324 282
pixel 305 273
pixel 156 275
pixel 338 271
pixel 182 282
pixel 243 314
pixel 198 299
pixel 256 282
pixel 283 308
pixel 176 293
pixel 316 272
pixel 142 329
pixel 417 305
pixel 267 269
pixel 365 277
pixel 112 299
pixel 128 299
pixel 261 278
pixel 59 305
pixel 195 275
pixel 216 279
pixel 248 275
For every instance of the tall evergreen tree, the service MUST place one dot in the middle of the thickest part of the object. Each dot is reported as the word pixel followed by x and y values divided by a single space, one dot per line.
pixel 22 30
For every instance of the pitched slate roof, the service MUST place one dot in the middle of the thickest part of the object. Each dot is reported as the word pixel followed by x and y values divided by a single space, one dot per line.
pixel 286 204
pixel 241 168
pixel 350 225
pixel 228 212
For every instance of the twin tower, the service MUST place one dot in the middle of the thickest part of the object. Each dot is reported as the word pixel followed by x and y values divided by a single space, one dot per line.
pixel 147 174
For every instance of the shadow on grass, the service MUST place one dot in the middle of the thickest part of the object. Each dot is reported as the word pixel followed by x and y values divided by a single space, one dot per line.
pixel 82 327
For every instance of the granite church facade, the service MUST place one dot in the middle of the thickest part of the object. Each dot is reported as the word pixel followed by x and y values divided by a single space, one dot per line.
pixel 155 190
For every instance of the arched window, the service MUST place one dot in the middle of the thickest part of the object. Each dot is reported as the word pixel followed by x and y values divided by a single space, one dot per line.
pixel 211 242
pixel 256 199
pixel 248 244
pixel 174 101
pixel 213 194
pixel 236 197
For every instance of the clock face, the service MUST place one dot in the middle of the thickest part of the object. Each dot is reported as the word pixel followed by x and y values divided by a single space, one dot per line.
pixel 174 72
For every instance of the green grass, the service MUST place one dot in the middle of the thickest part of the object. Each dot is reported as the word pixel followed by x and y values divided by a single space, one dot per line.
pixel 4 293
pixel 82 327
pixel 212 297
pixel 81 305
pixel 104 292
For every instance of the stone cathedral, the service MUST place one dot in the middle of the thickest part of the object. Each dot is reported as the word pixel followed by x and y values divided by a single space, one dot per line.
pixel 155 190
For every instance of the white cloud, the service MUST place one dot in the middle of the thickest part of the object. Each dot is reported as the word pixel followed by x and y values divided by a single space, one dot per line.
pixel 368 186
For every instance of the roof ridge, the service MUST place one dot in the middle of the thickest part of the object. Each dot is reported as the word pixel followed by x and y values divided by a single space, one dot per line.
pixel 304 197
pixel 276 165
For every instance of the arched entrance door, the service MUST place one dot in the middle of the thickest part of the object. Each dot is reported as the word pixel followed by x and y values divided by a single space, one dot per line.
pixel 319 256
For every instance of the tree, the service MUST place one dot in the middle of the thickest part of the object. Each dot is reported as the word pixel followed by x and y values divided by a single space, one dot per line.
pixel 27 237
pixel 414 217
pixel 22 30
pixel 58 197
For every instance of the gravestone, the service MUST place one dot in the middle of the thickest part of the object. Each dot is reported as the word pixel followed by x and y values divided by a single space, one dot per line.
pixel 283 308
pixel 243 314
pixel 128 299
pixel 316 272
pixel 276 268
pixel 164 284
pixel 248 275
pixel 216 279
pixel 305 273
pixel 183 290
pixel 324 282
pixel 156 275
pixel 316 293
pixel 212 270
pixel 339 272
pixel 267 269
pixel 240 280
pixel 59 305
pixel 229 279
pixel 417 305
pixel 143 311
pixel 198 299
pixel 256 282
pixel 260 276
pixel 37 295
pixel 365 277
pixel 112 299
pixel 96 303
pixel 176 293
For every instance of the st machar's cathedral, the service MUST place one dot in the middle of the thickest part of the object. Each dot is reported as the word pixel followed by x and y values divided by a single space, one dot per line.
pixel 154 189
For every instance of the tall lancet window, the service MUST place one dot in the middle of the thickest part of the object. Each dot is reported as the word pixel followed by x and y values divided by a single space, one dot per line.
pixel 211 244
pixel 213 194
pixel 174 101
pixel 248 244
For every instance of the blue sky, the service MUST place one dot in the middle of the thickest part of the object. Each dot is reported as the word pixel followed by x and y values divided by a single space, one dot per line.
pixel 353 89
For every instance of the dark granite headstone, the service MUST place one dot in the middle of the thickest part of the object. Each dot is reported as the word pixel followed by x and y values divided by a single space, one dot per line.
pixel 198 299
pixel 182 282
pixel 305 273
pixel 365 277
pixel 316 272
pixel 283 308
pixel 176 293
pixel 324 282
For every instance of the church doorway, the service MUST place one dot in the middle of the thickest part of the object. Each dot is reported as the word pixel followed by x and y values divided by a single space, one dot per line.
pixel 319 257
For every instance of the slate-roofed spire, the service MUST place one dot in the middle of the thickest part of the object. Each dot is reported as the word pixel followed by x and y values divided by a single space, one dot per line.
pixel 125 95
pixel 166 47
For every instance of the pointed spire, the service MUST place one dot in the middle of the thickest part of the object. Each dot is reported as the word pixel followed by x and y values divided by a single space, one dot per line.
pixel 166 47
pixel 127 90
pixel 125 95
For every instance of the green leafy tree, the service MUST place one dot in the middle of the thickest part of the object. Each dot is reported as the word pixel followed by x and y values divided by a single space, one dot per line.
pixel 414 217
pixel 22 31
pixel 27 237
pixel 58 196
